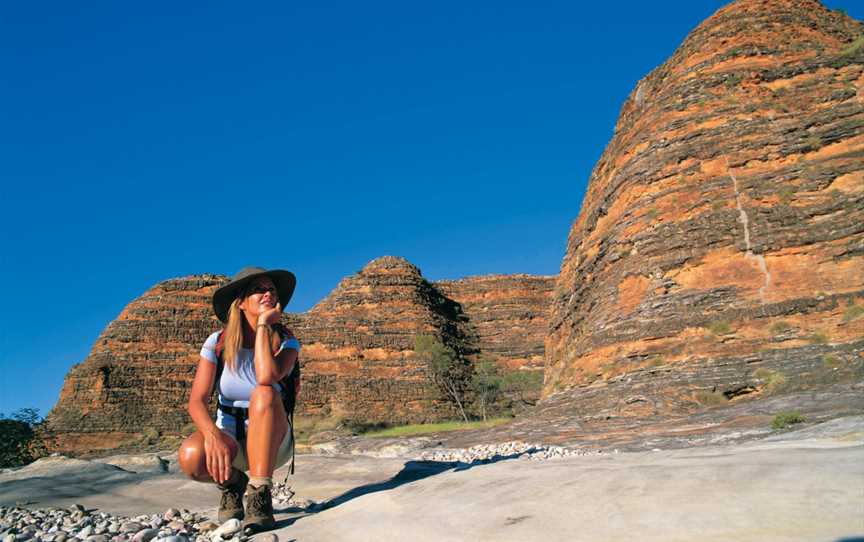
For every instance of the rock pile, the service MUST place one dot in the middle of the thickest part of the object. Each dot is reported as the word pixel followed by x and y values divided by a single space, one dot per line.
pixel 76 524
pixel 489 453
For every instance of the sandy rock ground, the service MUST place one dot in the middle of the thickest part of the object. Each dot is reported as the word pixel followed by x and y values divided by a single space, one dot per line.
pixel 799 485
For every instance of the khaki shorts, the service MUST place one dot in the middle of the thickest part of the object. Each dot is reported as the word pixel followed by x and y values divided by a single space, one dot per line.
pixel 283 455
pixel 226 423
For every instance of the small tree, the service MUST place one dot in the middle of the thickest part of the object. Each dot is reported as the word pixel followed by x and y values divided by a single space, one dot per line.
pixel 444 368
pixel 486 383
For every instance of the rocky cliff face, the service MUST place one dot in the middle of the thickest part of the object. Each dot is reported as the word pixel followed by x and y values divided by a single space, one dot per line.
pixel 138 374
pixel 358 350
pixel 719 251
pixel 509 314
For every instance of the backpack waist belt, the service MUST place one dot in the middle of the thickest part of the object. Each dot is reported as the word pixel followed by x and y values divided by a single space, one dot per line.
pixel 240 416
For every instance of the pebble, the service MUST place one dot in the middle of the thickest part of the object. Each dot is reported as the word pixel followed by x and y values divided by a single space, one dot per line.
pixel 488 453
pixel 76 524
pixel 205 526
pixel 267 537
pixel 226 529
pixel 131 527
pixel 145 535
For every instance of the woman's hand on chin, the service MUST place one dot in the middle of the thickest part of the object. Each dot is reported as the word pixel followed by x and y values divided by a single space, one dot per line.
pixel 270 316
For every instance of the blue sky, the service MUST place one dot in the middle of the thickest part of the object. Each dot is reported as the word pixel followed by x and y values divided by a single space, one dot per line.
pixel 150 141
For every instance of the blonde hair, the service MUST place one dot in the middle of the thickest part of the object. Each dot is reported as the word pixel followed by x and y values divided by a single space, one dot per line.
pixel 233 335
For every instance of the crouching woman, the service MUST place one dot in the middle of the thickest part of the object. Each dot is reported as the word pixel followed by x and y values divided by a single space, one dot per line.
pixel 251 358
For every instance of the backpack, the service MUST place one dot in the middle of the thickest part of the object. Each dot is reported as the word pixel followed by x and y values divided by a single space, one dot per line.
pixel 288 382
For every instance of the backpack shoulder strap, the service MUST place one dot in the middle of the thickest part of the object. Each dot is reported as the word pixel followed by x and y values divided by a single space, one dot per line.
pixel 289 398
pixel 220 362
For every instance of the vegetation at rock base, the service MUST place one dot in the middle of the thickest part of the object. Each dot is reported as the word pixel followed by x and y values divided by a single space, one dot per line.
pixel 786 419
pixel 20 437
pixel 774 380
pixel 479 390
pixel 524 385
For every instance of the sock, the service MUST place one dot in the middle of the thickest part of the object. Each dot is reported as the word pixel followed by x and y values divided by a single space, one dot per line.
pixel 258 481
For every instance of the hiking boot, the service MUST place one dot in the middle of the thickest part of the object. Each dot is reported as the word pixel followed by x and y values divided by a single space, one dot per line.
pixel 259 509
pixel 231 504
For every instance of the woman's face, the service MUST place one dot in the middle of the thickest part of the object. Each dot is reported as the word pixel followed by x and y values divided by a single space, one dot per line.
pixel 260 296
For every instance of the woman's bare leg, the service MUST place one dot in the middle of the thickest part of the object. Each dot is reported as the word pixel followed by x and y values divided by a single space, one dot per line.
pixel 193 460
pixel 267 427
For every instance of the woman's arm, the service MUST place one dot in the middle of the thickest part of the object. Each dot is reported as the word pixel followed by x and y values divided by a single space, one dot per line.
pixel 199 397
pixel 216 450
pixel 271 369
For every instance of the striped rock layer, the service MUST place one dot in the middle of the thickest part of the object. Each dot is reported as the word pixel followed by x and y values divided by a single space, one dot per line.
pixel 358 350
pixel 719 251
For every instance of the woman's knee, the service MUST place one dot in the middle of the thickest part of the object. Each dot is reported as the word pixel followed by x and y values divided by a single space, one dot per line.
pixel 192 458
pixel 263 399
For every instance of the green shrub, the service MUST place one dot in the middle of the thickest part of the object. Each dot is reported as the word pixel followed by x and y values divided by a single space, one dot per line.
pixel 786 193
pixel 733 80
pixel 853 47
pixel 657 361
pixel 20 439
pixel 357 427
pixel 774 380
pixel 720 327
pixel 778 328
pixel 852 312
pixel 813 142
pixel 711 398
pixel 188 429
pixel 786 419
pixel 818 337
pixel 149 436
pixel 831 362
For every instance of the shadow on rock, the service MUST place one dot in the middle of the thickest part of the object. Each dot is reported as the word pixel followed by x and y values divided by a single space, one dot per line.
pixel 411 472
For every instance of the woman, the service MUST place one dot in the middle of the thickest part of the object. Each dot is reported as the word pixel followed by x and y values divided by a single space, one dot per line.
pixel 251 430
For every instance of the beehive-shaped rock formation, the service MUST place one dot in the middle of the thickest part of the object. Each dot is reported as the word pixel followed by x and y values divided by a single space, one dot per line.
pixel 358 354
pixel 138 374
pixel 720 245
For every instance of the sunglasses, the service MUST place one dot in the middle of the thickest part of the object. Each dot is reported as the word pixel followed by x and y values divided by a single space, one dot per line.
pixel 261 289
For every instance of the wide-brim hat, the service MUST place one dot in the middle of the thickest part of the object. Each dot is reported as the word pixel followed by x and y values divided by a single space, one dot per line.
pixel 285 281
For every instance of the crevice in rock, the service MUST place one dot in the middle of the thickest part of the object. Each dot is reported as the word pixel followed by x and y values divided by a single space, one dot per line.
pixel 745 221
pixel 738 392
